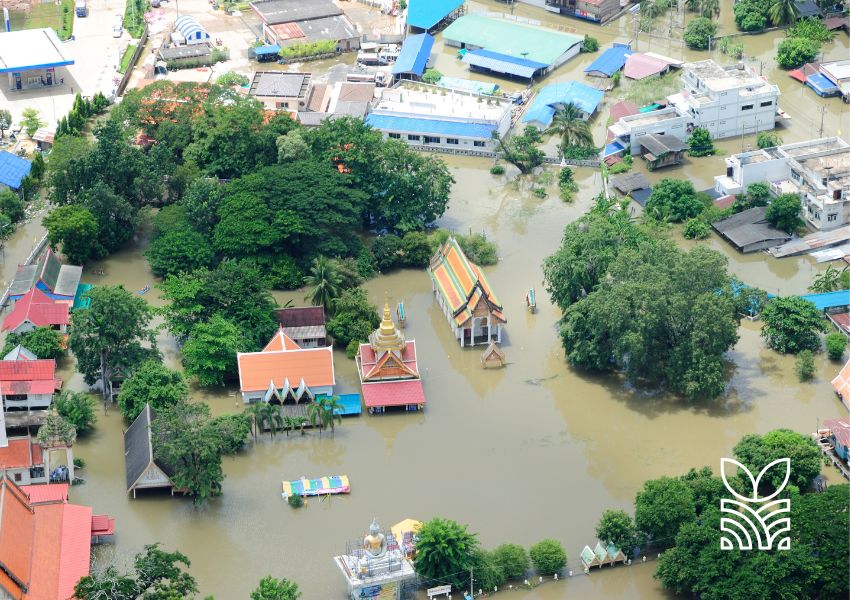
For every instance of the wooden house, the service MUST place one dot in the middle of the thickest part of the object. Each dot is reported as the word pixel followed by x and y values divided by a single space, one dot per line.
pixel 472 309
pixel 839 436
pixel 661 150
pixel 144 471
pixel 841 385
pixel 305 325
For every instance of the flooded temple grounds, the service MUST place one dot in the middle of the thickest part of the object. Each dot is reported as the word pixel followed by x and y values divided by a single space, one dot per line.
pixel 530 451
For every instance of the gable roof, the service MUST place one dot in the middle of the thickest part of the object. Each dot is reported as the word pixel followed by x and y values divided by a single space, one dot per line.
pixel 840 429
pixel 13 169
pixel 273 12
pixel 20 453
pixel 371 364
pixel 394 393
pixel 138 448
pixel 658 143
pixel 414 54
pixel 37 308
pixel 610 61
pixel 543 108
pixel 641 66
pixel 841 383
pixel 20 353
pixel 281 342
pixel 460 282
pixel 47 492
pixel 301 316
pixel 28 376
pixel 59 279
pixel 315 366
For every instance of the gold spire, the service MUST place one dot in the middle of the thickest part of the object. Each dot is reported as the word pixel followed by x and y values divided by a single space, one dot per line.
pixel 387 337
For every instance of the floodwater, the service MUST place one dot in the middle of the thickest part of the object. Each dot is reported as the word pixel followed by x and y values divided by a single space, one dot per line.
pixel 530 451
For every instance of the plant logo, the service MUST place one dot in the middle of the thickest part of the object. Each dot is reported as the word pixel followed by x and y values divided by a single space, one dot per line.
pixel 762 518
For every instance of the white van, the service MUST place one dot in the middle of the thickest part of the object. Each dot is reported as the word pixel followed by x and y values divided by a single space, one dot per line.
pixel 118 27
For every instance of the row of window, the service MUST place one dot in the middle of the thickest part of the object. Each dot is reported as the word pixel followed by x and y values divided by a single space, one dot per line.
pixel 429 139
pixel 763 105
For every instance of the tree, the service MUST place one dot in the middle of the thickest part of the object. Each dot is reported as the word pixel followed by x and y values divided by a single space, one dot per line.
pixel 674 200
pixel 830 280
pixel 78 409
pixel 5 121
pixel 486 571
pixel 757 451
pixel 151 383
pixel 757 194
pixel 617 527
pixel 232 78
pixel 323 282
pixel 417 249
pixel 44 342
pixel 116 217
pixel 271 588
pixel 812 29
pixel 31 120
pixel 445 552
pixel 111 336
pixel 768 139
pixel 156 575
pixel 783 12
pixel 325 412
pixel 177 251
pixel 699 32
pixel 663 506
pixel 74 229
pixel 792 324
pixel 795 52
pixel 202 200
pixel 568 124
pixel 231 431
pixel 699 142
pixel 12 206
pixel 354 318
pixel 521 150
pixel 696 229
pixel 432 76
pixel 784 213
pixel 804 364
pixel 291 147
pixel 548 556
pixel 387 252
pixel 209 355
pixel 591 44
pixel 512 560
pixel 185 439
pixel 64 171
pixel 836 343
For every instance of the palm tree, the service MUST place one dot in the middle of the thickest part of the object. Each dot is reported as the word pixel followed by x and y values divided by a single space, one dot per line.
pixel 568 124
pixel 709 8
pixel 830 280
pixel 255 416
pixel 272 417
pixel 324 283
pixel 783 12
pixel 325 412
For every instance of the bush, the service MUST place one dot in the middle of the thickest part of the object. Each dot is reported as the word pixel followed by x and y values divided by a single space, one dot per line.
pixel 78 409
pixel 152 383
pixel 805 365
pixel 512 560
pixel 308 49
pixel 696 229
pixel 836 343
pixel 620 167
pixel 231 78
pixel 784 213
pixel 751 15
pixel 497 170
pixel 432 76
pixel 811 29
pixel 699 143
pixel 11 205
pixel 698 32
pixel 591 44
pixel 795 52
pixel 767 139
pixel 79 463
pixel 539 192
pixel 295 500
pixel 387 252
pixel 548 556
pixel 282 273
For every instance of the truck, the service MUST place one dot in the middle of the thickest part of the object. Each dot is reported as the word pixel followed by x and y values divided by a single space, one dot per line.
pixel 80 8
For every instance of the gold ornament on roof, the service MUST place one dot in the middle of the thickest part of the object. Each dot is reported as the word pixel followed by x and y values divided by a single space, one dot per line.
pixel 387 337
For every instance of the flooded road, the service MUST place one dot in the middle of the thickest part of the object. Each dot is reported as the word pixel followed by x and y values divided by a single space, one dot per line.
pixel 530 451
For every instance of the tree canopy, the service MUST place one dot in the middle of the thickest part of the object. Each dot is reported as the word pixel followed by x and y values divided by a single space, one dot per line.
pixel 792 324
pixel 784 213
pixel 271 588
pixel 674 200
pixel 151 383
pixel 209 355
pixel 44 342
pixel 758 451
pixel 699 32
pixel 444 552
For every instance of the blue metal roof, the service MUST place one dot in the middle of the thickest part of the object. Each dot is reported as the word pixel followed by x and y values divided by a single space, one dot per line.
pixel 405 124
pixel 503 63
pixel 263 50
pixel 610 61
pixel 190 28
pixel 821 85
pixel 414 54
pixel 427 13
pixel 13 169
pixel 558 94
pixel 829 299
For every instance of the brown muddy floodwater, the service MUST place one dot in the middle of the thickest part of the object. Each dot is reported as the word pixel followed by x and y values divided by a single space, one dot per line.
pixel 530 451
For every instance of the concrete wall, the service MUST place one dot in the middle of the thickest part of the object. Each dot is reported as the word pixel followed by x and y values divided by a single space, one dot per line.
pixel 32 402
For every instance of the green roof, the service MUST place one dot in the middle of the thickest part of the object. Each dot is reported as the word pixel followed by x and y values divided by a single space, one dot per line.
pixel 513 39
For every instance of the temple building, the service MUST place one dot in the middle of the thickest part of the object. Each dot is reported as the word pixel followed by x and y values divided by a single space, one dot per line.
pixel 471 308
pixel 388 371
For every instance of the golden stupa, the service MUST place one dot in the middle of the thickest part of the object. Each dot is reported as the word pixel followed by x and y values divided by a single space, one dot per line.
pixel 387 337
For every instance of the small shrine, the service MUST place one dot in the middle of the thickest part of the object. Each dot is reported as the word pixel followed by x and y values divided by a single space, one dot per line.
pixel 375 566
pixel 388 370
pixel 601 555
pixel 493 357
pixel 57 434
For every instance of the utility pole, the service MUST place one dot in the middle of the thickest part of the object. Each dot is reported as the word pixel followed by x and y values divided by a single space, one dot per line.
pixel 822 112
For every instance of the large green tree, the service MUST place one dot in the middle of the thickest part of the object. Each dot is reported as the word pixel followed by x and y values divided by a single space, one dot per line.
pixel 323 283
pixel 445 552
pixel 177 251
pixel 758 451
pixel 674 200
pixel 209 354
pixel 151 383
pixel 663 506
pixel 617 527
pixel 116 217
pixel 699 32
pixel 78 409
pixel 794 52
pixel 74 231
pixel 271 588
pixel 548 556
pixel 783 12
pixel 784 213
pixel 112 336
pixel 792 324
pixel 512 560
pixel 44 342
pixel 354 318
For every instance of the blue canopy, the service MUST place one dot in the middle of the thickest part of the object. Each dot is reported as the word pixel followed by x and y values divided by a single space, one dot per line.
pixel 13 169
pixel 829 299
pixel 264 50
pixel 414 54
pixel 503 63
pixel 424 14
pixel 558 94
pixel 610 61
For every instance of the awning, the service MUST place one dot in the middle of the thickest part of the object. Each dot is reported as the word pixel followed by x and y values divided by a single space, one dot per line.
pixel 414 55
pixel 503 63
pixel 266 50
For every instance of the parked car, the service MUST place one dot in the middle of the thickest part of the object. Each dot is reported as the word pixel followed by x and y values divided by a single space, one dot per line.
pixel 80 8
pixel 118 26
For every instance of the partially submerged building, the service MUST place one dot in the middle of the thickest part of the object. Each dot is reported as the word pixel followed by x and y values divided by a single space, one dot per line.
pixel 841 385
pixel 557 95
pixel 661 150
pixel 817 170
pixel 434 118
pixel 610 61
pixel 58 282
pixel 640 65
pixel 304 325
pixel 626 132
pixel 13 170
pixel 36 309
pixel 295 22
pixel 21 460
pixel 838 73
pixel 596 11
pixel 839 436
pixel 27 384
pixel 413 58
pixel 432 15
pixel 280 90
pixel 143 469
pixel 472 309
pixel 749 231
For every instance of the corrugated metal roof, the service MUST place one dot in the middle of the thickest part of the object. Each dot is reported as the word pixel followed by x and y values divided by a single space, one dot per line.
pixel 13 169
pixel 503 63
pixel 424 14
pixel 414 54
pixel 405 124
pixel 610 61
pixel 829 299
pixel 558 94
pixel 641 66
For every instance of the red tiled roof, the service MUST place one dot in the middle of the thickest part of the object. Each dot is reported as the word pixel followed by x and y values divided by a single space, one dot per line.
pixel 102 525
pixel 281 342
pixel 840 429
pixel 314 365
pixel 369 361
pixel 842 320
pixel 841 383
pixel 20 453
pixel 27 370
pixel 394 393
pixel 51 492
pixel 724 202
pixel 75 549
pixel 39 309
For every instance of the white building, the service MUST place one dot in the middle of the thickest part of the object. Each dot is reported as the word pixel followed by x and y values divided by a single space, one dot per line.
pixel 817 170
pixel 428 116
pixel 728 101
pixel 628 130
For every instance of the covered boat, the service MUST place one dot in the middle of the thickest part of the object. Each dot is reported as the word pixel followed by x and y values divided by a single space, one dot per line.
pixel 334 484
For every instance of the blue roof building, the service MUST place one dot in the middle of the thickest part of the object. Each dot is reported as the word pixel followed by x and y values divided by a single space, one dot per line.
pixel 425 14
pixel 191 30
pixel 610 61
pixel 829 299
pixel 13 169
pixel 503 64
pixel 556 95
pixel 414 55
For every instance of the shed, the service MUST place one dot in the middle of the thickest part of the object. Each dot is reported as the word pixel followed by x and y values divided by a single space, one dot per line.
pixel 265 53
pixel 305 325
pixel 556 95
pixel 13 169
pixel 185 56
pixel 629 182
pixel 191 30
pixel 425 14
pixel 661 150
pixel 610 61
pixel 749 231
pixel 493 357
pixel 502 64
pixel 143 470
pixel 414 55
pixel 43 138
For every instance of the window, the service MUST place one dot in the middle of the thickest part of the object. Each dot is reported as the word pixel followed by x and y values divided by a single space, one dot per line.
pixel 478 144
pixel 832 217
pixel 395 136
pixel 747 107
pixel 430 139
pixel 17 477
pixel 413 138
pixel 452 141
pixel 768 103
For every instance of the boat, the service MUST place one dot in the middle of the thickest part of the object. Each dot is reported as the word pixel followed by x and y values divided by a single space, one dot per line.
pixel 531 300
pixel 323 486
pixel 402 317
pixel 144 290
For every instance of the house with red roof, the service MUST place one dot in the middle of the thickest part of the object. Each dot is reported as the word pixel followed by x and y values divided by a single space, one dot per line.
pixel 388 371
pixel 841 385
pixel 27 384
pixel 463 293
pixel 284 373
pixel 36 309
pixel 21 460
pixel 839 435
pixel 45 541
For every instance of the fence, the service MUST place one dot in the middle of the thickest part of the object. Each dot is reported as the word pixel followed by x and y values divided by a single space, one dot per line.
pixel 549 160
pixel 39 246
pixel 125 79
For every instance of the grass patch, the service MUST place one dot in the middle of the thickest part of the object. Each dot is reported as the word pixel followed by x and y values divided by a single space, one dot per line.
pixel 47 14
pixel 653 88
pixel 126 58
pixel 134 17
